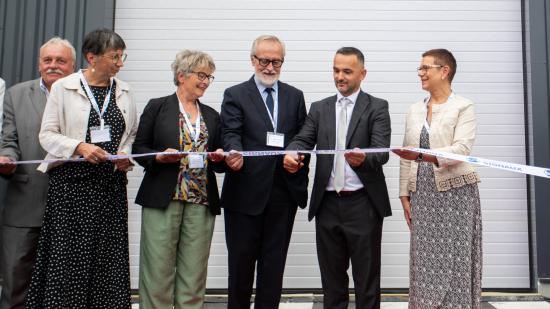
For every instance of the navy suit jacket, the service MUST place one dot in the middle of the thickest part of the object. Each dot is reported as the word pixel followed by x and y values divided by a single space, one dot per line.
pixel 245 123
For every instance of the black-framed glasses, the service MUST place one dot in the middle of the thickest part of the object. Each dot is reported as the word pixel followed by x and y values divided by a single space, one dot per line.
pixel 424 68
pixel 277 63
pixel 202 76
pixel 116 57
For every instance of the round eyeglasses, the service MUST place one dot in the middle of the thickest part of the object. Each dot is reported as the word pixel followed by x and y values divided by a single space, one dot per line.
pixel 277 63
pixel 424 68
pixel 116 57
pixel 202 76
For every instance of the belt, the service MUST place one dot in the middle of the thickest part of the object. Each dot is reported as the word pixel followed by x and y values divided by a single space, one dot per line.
pixel 346 193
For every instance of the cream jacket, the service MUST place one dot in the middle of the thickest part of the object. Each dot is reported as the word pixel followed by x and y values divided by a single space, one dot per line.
pixel 65 120
pixel 453 129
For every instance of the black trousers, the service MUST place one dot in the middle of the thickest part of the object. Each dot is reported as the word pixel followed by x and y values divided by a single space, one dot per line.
pixel 18 255
pixel 349 228
pixel 260 241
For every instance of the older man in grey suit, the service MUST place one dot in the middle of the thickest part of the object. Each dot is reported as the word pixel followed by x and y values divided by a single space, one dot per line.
pixel 26 194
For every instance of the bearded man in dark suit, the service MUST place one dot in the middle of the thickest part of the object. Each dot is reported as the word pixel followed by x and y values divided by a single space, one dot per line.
pixel 259 197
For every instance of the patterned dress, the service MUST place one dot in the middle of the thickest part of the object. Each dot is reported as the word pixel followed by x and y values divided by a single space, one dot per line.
pixel 445 257
pixel 83 259
pixel 191 185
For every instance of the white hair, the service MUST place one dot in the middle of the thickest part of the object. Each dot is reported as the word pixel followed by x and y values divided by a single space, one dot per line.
pixel 265 37
pixel 59 41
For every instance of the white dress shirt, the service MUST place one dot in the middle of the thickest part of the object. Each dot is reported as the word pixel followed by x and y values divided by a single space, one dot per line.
pixel 275 94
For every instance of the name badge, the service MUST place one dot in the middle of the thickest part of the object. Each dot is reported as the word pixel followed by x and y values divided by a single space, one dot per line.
pixel 100 135
pixel 275 139
pixel 195 161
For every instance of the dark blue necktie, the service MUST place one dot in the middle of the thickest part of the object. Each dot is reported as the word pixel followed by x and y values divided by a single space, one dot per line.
pixel 269 100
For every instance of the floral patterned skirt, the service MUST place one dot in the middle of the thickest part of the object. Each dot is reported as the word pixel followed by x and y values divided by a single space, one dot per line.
pixel 445 256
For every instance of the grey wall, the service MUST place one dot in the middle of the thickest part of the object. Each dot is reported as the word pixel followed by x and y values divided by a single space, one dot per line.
pixel 26 24
pixel 539 60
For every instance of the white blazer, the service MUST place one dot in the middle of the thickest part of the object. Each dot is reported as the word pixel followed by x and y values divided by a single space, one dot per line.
pixel 453 129
pixel 65 120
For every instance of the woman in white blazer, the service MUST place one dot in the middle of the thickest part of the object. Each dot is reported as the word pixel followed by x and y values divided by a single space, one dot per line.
pixel 440 197
pixel 83 258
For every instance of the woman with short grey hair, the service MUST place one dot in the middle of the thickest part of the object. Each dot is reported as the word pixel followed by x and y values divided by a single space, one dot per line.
pixel 188 60
pixel 178 193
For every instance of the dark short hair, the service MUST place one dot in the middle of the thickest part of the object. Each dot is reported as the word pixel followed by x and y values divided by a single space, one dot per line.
pixel 100 40
pixel 352 51
pixel 443 57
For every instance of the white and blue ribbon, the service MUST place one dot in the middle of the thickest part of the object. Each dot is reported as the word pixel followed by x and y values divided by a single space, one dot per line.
pixel 507 166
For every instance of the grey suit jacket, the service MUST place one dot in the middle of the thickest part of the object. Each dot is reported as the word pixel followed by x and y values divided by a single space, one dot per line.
pixel 26 194
pixel 369 127
pixel 2 91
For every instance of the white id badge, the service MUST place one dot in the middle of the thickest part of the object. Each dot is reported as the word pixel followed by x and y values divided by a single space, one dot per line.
pixel 275 139
pixel 196 161
pixel 98 135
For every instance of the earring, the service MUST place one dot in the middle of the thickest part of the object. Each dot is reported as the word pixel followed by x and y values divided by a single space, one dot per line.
pixel 93 70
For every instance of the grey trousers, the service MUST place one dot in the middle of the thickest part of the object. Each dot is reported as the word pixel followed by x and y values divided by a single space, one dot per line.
pixel 18 255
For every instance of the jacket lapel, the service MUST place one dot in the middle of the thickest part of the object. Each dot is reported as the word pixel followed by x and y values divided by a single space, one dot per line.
pixel 173 111
pixel 283 105
pixel 38 98
pixel 361 104
pixel 330 121
pixel 258 103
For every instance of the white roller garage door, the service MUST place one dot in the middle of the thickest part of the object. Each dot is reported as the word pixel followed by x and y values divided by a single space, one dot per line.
pixel 485 37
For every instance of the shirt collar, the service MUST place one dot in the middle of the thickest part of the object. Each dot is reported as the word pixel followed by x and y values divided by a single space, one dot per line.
pixel 261 87
pixel 352 97
pixel 451 96
pixel 44 88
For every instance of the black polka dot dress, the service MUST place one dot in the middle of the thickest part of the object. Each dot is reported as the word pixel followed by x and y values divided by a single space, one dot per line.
pixel 83 259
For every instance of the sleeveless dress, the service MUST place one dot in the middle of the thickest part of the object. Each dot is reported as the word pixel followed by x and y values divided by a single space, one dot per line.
pixel 445 256
pixel 83 258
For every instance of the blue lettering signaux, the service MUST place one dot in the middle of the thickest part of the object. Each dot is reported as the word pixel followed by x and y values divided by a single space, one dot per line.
pixel 472 160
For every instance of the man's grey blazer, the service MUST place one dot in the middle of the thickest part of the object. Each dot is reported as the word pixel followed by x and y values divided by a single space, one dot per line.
pixel 26 194
pixel 369 127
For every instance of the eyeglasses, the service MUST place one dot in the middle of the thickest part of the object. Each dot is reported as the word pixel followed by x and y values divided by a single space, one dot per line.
pixel 424 69
pixel 202 76
pixel 116 58
pixel 277 63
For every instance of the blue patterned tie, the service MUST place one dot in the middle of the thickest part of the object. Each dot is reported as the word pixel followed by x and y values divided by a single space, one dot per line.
pixel 269 100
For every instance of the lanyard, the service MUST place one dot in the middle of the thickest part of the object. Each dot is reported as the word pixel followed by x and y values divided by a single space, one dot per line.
pixel 197 130
pixel 273 118
pixel 92 98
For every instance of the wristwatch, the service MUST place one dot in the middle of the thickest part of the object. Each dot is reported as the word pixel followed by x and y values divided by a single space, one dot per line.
pixel 420 158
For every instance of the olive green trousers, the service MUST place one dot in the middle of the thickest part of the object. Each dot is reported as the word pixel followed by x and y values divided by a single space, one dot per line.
pixel 174 249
